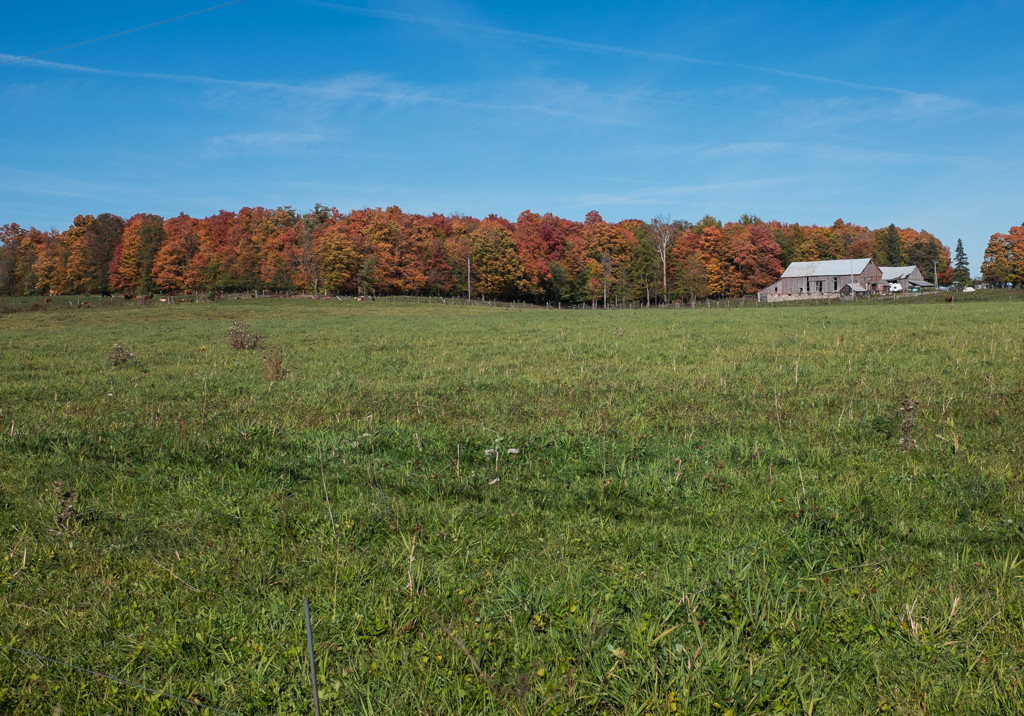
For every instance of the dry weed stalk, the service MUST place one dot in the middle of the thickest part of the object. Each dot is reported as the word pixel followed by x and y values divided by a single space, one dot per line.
pixel 906 441
pixel 412 558
pixel 273 364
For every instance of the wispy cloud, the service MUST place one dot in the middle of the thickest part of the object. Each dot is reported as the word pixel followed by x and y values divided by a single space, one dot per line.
pixel 831 113
pixel 846 154
pixel 532 95
pixel 268 139
pixel 604 49
pixel 659 195
pixel 337 89
pixel 703 150
pixel 645 96
pixel 617 180
pixel 193 79
pixel 743 149
pixel 815 151
pixel 918 104
pixel 19 181
pixel 22 58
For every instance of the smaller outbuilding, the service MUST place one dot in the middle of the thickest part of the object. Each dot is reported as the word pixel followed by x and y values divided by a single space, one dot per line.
pixel 854 290
pixel 908 277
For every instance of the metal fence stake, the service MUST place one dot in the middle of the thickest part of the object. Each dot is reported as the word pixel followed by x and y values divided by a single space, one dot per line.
pixel 312 659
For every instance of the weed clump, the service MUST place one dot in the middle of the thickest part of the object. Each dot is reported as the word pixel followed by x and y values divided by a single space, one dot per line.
pixel 273 364
pixel 67 518
pixel 242 337
pixel 121 354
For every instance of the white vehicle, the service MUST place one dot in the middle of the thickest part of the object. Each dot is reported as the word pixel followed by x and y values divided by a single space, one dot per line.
pixel 895 287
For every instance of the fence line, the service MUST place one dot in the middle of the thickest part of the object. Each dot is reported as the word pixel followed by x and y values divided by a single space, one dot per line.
pixel 120 681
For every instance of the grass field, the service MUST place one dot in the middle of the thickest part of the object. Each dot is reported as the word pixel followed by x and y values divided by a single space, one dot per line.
pixel 760 510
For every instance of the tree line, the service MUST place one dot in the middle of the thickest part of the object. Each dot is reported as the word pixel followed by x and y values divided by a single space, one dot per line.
pixel 538 257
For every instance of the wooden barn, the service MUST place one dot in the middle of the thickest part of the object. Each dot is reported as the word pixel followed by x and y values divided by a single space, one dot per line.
pixel 909 277
pixel 823 279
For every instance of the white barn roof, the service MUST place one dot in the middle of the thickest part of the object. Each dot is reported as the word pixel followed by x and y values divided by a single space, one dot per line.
pixel 839 267
pixel 894 273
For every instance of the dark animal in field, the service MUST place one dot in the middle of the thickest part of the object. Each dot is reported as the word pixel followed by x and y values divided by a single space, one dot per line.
pixel 128 296
pixel 107 294
pixel 949 299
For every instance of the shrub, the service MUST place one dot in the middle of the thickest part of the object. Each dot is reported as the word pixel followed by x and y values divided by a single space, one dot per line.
pixel 242 337
pixel 120 354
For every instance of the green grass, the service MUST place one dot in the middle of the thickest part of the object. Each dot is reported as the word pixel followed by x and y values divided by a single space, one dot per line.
pixel 708 511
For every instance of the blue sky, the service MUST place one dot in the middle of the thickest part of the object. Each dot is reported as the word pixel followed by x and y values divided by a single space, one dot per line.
pixel 873 112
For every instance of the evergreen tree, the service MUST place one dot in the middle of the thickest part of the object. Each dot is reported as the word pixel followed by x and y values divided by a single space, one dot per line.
pixel 961 269
pixel 888 249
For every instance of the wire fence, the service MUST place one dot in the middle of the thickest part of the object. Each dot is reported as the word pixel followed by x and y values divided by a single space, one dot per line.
pixel 9 304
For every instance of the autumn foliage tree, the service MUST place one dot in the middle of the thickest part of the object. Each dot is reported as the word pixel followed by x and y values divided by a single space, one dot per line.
pixel 19 250
pixel 90 244
pixel 496 271
pixel 610 250
pixel 539 243
pixel 131 268
pixel 1004 258
pixel 50 264
pixel 688 273
pixel 755 256
pixel 172 261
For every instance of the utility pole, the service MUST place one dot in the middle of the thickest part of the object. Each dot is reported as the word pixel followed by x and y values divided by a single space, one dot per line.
pixel 935 274
pixel 469 282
